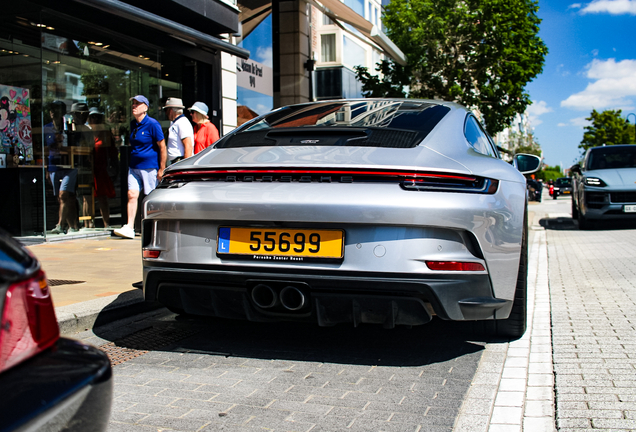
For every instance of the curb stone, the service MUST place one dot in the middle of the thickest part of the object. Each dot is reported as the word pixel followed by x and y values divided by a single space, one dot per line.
pixel 86 315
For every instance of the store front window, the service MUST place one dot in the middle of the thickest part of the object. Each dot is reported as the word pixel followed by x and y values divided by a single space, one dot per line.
pixel 64 121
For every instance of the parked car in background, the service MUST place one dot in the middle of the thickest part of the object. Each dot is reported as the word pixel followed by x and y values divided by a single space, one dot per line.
pixel 535 188
pixel 385 211
pixel 605 185
pixel 562 186
pixel 49 383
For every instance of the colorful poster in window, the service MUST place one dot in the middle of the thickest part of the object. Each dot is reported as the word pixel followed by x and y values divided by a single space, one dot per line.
pixel 15 122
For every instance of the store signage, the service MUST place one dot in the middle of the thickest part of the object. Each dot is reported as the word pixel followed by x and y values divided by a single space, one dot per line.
pixel 255 76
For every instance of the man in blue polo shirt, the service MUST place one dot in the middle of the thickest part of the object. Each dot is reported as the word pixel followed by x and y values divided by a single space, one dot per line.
pixel 147 160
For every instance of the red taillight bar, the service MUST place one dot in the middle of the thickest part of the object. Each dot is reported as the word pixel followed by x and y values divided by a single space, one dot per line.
pixel 28 323
pixel 151 253
pixel 454 266
pixel 322 171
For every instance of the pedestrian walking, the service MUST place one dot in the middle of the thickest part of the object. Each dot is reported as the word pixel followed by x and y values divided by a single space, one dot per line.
pixel 205 133
pixel 63 178
pixel 180 134
pixel 147 160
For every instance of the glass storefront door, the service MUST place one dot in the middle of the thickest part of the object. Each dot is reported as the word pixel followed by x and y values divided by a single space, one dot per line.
pixel 64 121
pixel 86 92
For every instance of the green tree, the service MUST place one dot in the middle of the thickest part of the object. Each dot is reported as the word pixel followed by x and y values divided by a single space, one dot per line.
pixel 607 128
pixel 524 142
pixel 480 53
pixel 548 173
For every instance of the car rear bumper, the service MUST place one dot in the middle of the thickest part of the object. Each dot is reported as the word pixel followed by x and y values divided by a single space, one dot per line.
pixel 67 387
pixel 328 297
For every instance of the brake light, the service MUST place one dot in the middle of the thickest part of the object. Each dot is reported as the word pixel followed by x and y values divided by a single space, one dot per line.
pixel 454 266
pixel 150 253
pixel 28 324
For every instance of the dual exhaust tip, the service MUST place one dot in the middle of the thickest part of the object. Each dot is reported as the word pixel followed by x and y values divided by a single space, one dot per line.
pixel 290 297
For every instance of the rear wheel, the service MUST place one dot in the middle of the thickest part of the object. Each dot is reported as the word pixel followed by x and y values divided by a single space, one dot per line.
pixel 584 223
pixel 555 195
pixel 515 325
pixel 177 310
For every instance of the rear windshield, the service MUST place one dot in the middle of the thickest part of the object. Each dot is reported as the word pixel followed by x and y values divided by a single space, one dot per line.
pixel 398 124
pixel 612 157
pixel 564 182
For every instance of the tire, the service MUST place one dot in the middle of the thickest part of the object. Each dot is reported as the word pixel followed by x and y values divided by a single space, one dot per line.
pixel 514 326
pixel 575 211
pixel 177 310
pixel 554 195
pixel 584 223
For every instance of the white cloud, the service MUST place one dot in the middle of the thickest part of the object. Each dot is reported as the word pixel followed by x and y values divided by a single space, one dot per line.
pixel 575 6
pixel 614 7
pixel 262 109
pixel 265 56
pixel 579 122
pixel 614 83
pixel 594 52
pixel 537 109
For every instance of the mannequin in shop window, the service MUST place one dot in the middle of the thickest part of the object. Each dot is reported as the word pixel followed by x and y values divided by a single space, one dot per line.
pixel 105 164
pixel 80 135
pixel 60 173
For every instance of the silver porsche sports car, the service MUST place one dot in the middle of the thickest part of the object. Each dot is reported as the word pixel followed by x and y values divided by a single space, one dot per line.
pixel 605 185
pixel 363 211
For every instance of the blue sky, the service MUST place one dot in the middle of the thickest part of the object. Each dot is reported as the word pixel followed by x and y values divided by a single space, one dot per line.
pixel 591 65
pixel 259 43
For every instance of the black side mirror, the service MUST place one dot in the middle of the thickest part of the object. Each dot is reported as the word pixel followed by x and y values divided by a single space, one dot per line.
pixel 576 169
pixel 526 163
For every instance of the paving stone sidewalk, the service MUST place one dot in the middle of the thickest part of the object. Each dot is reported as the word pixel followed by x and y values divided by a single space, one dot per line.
pixel 513 387
pixel 593 295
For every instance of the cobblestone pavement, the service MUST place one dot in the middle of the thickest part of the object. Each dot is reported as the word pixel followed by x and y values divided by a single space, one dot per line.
pixel 241 376
pixel 592 277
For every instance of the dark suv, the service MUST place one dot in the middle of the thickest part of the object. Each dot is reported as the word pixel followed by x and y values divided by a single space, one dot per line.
pixel 605 185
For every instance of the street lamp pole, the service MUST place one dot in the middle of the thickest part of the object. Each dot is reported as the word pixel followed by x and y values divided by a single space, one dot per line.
pixel 627 120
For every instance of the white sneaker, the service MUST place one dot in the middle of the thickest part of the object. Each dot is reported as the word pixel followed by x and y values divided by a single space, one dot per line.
pixel 57 230
pixel 125 231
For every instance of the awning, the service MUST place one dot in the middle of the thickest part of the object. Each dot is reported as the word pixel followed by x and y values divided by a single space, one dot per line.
pixel 252 13
pixel 180 31
pixel 337 10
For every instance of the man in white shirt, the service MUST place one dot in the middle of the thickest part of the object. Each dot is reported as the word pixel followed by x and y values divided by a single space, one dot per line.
pixel 181 134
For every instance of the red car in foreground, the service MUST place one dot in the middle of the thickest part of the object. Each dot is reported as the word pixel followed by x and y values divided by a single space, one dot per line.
pixel 47 382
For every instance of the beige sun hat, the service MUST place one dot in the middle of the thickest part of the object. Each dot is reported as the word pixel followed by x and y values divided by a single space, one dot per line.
pixel 173 102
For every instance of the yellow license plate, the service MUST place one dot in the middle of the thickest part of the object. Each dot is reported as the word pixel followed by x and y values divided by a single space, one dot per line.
pixel 566 192
pixel 283 244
